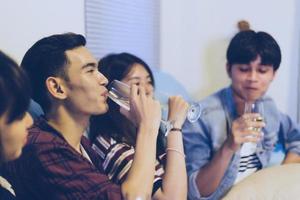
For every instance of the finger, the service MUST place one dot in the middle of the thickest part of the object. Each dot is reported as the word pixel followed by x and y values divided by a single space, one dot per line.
pixel 178 101
pixel 134 91
pixel 251 133
pixel 142 92
pixel 255 124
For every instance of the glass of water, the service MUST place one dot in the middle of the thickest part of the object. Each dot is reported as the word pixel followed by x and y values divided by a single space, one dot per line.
pixel 119 92
pixel 254 107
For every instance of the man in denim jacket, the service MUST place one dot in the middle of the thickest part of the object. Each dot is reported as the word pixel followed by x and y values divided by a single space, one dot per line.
pixel 213 144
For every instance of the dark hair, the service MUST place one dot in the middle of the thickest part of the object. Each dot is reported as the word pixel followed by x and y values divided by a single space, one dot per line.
pixel 47 57
pixel 113 123
pixel 14 89
pixel 245 46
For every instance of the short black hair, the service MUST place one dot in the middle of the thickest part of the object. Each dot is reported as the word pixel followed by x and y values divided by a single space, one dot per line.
pixel 14 89
pixel 47 57
pixel 245 46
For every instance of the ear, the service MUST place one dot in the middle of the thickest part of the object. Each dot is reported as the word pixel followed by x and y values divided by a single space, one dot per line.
pixel 228 69
pixel 56 87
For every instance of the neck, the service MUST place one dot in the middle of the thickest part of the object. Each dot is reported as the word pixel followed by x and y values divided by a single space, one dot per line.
pixel 71 126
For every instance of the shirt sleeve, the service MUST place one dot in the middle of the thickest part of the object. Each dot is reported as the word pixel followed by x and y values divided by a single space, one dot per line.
pixel 117 160
pixel 291 134
pixel 199 151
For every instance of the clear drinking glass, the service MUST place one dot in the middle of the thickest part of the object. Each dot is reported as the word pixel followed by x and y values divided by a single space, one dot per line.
pixel 254 107
pixel 119 92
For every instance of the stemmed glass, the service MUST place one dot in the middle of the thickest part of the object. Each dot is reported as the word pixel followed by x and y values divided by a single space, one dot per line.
pixel 254 107
pixel 119 92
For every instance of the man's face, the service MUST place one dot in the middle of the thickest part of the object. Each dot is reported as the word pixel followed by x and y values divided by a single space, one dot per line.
pixel 13 136
pixel 86 91
pixel 251 81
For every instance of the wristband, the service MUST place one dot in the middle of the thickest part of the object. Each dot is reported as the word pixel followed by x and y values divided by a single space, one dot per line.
pixel 176 129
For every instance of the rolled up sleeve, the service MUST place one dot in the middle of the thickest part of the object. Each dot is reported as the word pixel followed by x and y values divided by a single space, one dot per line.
pixel 198 153
pixel 291 133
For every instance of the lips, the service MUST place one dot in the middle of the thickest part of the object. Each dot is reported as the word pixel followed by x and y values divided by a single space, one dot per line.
pixel 251 88
pixel 105 93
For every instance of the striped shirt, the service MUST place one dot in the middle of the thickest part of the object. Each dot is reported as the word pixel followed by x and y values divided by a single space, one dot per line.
pixel 249 162
pixel 117 159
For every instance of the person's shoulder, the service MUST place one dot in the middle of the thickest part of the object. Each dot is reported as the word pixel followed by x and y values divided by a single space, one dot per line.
pixel 42 136
pixel 38 136
pixel 211 102
pixel 213 99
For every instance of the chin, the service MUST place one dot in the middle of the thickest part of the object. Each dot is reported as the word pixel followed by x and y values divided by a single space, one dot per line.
pixel 101 110
pixel 14 156
pixel 254 98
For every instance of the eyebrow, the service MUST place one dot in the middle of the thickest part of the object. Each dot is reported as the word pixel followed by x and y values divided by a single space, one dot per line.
pixel 89 65
pixel 137 78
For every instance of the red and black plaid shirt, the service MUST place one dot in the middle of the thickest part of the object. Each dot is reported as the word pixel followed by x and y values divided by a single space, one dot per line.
pixel 50 168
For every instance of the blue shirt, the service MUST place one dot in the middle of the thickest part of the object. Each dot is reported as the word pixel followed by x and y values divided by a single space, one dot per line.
pixel 204 138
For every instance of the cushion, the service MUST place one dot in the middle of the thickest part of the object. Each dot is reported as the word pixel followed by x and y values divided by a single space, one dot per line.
pixel 280 182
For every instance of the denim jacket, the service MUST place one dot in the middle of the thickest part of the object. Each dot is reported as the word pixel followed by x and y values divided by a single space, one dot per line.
pixel 204 138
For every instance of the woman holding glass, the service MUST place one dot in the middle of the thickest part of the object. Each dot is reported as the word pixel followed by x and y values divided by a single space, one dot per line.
pixel 136 155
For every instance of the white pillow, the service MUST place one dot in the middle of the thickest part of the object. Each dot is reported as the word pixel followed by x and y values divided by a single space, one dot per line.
pixel 281 182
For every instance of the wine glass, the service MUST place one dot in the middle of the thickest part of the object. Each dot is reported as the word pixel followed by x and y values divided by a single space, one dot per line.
pixel 253 107
pixel 119 92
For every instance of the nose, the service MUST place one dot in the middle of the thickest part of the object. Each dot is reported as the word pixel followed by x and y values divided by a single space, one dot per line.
pixel 102 79
pixel 252 76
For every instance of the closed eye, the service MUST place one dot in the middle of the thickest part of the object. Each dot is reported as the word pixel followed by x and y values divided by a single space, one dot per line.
pixel 264 70
pixel 91 70
pixel 244 69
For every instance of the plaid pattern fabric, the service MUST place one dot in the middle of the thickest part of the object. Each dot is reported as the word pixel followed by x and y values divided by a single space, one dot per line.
pixel 50 168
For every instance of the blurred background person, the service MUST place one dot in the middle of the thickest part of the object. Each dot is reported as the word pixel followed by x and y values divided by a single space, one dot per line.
pixel 14 119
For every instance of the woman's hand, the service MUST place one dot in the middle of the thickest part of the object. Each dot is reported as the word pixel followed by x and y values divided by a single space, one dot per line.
pixel 144 110
pixel 178 108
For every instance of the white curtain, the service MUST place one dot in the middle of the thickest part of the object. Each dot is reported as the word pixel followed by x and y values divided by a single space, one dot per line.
pixel 114 26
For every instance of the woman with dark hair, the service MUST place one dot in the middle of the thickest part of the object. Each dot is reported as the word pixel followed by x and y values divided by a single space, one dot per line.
pixel 124 148
pixel 14 120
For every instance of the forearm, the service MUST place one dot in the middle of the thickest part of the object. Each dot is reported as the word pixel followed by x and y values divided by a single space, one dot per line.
pixel 174 185
pixel 291 158
pixel 211 175
pixel 140 177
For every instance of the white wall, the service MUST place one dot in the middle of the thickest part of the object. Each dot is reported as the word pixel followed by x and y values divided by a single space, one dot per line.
pixel 195 35
pixel 24 22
